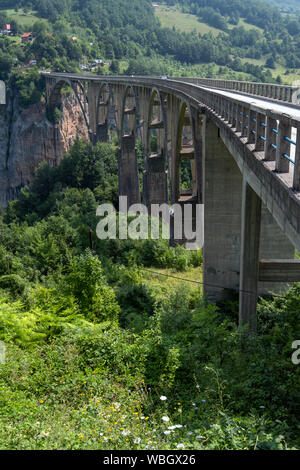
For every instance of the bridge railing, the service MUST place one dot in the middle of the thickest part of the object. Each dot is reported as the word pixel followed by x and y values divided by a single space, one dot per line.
pixel 289 94
pixel 275 135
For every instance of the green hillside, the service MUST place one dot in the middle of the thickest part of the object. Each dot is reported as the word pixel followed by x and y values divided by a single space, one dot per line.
pixel 23 18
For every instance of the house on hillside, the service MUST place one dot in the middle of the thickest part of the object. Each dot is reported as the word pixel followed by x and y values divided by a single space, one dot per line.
pixel 6 30
pixel 27 37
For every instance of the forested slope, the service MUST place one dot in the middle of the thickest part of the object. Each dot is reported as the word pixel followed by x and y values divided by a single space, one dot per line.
pixel 128 32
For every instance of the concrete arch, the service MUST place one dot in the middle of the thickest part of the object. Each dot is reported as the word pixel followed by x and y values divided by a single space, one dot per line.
pixel 185 155
pixel 155 179
pixel 54 98
pixel 129 112
pixel 55 94
pixel 105 110
pixel 128 167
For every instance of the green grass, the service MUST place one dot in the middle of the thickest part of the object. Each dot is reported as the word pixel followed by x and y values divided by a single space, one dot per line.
pixel 24 19
pixel 247 26
pixel 170 17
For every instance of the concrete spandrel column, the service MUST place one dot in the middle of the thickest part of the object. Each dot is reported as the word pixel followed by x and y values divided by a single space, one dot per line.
pixel 198 128
pixel 222 217
pixel 128 170
pixel 273 245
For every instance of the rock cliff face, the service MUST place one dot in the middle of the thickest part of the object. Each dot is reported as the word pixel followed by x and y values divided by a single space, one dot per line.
pixel 28 138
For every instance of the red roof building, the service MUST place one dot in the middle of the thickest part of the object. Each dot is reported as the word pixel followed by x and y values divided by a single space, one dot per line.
pixel 27 37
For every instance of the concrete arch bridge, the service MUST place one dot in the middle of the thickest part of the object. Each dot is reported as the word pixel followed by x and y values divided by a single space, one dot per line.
pixel 240 143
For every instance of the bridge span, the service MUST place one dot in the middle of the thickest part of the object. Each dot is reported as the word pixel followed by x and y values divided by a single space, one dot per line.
pixel 241 144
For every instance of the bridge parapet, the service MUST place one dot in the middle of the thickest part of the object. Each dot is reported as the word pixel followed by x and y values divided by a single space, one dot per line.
pixel 289 94
pixel 274 134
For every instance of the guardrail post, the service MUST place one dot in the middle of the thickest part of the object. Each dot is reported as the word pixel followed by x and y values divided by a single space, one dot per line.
pixel 260 132
pixel 230 116
pixel 251 127
pixel 271 138
pixel 296 181
pixel 245 121
pixel 239 110
pixel 283 146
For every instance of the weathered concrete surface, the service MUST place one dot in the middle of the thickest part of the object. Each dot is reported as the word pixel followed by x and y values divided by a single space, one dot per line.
pixel 249 258
pixel 128 171
pixel 28 138
pixel 222 217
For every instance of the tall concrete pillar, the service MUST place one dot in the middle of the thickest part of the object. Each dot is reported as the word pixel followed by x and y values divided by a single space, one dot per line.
pixel 128 170
pixel 102 132
pixel 156 181
pixel 250 241
pixel 222 217
pixel 92 95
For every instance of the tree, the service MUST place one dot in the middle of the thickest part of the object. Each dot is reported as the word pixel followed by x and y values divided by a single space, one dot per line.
pixel 270 63
pixel 114 67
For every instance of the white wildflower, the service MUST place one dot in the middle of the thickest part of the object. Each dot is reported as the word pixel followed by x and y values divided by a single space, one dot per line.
pixel 163 398
pixel 125 432
pixel 167 432
pixel 165 418
pixel 180 446
pixel 137 440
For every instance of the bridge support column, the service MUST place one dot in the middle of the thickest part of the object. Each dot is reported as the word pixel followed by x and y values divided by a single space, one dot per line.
pixel 102 132
pixel 128 170
pixel 156 181
pixel 222 217
pixel 249 264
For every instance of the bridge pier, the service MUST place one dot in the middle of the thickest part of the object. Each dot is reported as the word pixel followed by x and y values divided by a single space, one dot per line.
pixel 249 259
pixel 128 171
pixel 222 217
pixel 102 132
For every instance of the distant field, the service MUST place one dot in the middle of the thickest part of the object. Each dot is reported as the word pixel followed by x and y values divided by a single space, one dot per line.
pixel 247 26
pixel 24 19
pixel 170 16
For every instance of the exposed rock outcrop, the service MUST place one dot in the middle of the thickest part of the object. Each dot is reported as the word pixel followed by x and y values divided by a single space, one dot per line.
pixel 28 138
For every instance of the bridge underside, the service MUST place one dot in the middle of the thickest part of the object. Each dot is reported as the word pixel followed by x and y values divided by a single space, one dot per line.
pixel 251 199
